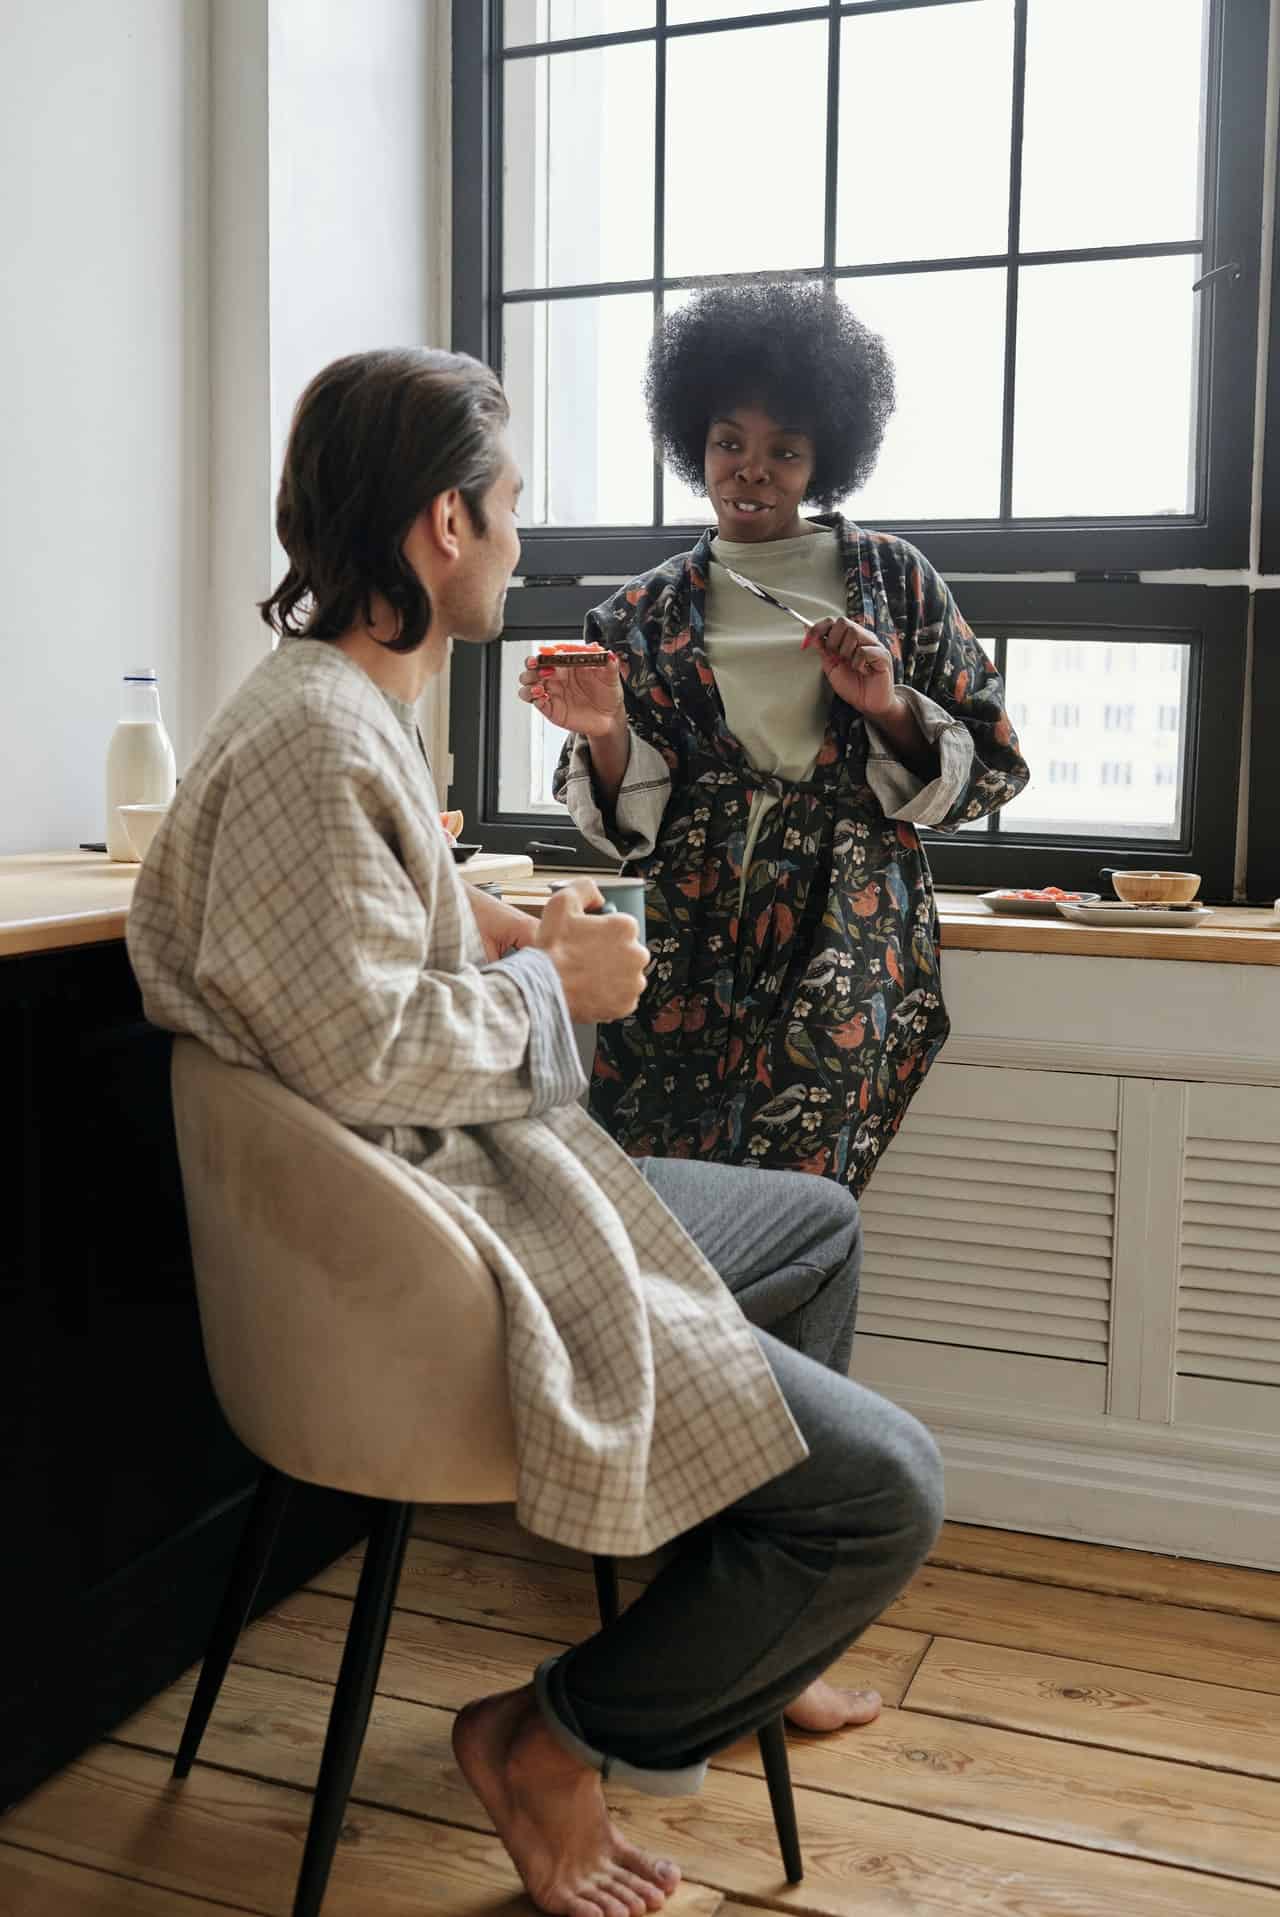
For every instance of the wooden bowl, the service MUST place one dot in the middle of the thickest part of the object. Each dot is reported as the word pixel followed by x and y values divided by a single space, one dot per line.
pixel 1156 888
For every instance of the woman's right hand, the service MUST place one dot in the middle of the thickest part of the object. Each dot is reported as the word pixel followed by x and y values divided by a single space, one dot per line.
pixel 585 699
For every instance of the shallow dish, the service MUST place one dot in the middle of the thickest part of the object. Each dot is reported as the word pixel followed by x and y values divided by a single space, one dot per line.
pixel 1114 913
pixel 1016 907
pixel 461 853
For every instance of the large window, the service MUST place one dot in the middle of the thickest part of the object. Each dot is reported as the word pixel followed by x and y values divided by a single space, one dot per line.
pixel 1051 211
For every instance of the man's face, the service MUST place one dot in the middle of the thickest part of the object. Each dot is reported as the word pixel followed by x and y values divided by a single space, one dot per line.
pixel 478 591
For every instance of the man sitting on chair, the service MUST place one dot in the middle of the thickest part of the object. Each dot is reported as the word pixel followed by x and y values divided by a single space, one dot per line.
pixel 678 1334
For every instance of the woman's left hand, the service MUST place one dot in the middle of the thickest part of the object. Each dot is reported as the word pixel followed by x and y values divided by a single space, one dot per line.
pixel 859 668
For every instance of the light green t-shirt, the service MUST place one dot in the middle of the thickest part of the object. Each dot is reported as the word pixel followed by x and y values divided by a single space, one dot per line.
pixel 776 697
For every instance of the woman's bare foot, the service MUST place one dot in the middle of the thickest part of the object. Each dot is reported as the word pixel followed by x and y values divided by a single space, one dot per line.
pixel 823 1708
pixel 549 1811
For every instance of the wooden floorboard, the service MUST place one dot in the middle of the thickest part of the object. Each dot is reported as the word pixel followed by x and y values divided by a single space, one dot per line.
pixel 439 1661
pixel 1187 1582
pixel 219 1835
pixel 1007 1780
pixel 861 1857
pixel 1070 1731
pixel 1210 1724
pixel 1168 1639
pixel 33 1885
pixel 1131 1804
pixel 552 1601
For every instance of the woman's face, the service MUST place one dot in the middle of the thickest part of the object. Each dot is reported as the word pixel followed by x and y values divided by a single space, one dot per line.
pixel 757 473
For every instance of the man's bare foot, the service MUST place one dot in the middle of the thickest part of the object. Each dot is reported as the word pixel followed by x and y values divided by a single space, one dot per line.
pixel 823 1708
pixel 549 1811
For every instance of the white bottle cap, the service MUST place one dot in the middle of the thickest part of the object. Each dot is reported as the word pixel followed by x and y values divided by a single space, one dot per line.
pixel 141 672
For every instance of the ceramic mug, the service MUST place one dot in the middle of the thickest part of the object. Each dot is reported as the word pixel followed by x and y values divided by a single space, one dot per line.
pixel 620 895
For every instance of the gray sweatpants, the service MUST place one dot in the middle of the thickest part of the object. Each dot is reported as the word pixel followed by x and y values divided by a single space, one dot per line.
pixel 757 1602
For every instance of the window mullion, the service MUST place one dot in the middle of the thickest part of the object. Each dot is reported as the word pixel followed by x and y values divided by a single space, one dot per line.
pixel 833 139
pixel 1015 236
pixel 659 211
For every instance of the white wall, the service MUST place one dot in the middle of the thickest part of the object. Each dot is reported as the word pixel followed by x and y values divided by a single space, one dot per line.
pixel 203 202
pixel 358 185
pixel 103 407
pixel 329 129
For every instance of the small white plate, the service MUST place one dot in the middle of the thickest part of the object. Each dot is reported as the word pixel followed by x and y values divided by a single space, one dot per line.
pixel 1113 912
pixel 1027 908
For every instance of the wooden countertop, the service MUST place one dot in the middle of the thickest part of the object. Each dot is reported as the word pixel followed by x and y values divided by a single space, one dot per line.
pixel 50 900
pixel 1235 935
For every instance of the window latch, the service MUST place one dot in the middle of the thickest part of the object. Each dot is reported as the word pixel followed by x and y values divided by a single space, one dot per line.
pixel 1233 269
pixel 556 851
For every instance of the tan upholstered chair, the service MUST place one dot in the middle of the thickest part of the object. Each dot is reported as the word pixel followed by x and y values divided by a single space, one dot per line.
pixel 355 1340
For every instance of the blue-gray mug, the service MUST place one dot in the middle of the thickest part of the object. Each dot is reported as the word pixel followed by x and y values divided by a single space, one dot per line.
pixel 620 895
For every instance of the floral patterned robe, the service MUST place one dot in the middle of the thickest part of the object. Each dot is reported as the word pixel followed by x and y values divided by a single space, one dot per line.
pixel 794 1036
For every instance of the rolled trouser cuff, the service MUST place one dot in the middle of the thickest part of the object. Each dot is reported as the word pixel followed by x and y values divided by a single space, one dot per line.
pixel 685 1782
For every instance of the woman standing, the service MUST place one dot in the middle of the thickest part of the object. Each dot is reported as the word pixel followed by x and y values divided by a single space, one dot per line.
pixel 764 758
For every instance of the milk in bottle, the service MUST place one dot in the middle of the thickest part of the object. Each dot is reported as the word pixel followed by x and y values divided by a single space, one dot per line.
pixel 140 763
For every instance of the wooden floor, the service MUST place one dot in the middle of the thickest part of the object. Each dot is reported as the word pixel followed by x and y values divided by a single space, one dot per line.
pixel 1069 1731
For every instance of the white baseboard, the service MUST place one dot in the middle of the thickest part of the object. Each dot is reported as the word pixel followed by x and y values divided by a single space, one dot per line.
pixel 1084 1490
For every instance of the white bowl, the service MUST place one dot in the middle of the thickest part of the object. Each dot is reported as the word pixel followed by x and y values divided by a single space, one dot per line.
pixel 141 823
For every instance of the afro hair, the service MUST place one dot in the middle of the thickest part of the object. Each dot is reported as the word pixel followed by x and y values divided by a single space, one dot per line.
pixel 793 349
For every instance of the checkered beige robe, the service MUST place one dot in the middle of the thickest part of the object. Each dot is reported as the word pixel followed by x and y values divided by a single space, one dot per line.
pixel 299 912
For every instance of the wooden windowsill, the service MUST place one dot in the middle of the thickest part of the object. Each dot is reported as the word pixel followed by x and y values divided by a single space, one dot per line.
pixel 1235 935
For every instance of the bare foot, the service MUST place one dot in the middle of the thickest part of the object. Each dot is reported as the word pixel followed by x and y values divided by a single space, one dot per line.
pixel 823 1708
pixel 549 1811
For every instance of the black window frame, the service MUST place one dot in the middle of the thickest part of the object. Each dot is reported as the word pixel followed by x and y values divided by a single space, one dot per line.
pixel 1262 881
pixel 1213 619
pixel 1269 529
pixel 1216 536
pixel 555 560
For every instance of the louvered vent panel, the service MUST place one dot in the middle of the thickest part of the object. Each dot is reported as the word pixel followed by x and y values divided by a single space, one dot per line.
pixel 991 1232
pixel 1229 1295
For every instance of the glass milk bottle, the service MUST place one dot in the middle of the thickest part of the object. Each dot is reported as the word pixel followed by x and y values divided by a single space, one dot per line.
pixel 140 763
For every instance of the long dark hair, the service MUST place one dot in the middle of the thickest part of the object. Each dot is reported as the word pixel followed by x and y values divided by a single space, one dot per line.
pixel 375 438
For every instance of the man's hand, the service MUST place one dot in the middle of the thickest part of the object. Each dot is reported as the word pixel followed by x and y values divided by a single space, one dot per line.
pixel 502 927
pixel 600 959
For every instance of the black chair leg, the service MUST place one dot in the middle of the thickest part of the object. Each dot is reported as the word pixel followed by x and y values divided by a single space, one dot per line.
pixel 353 1699
pixel 606 1571
pixel 259 1535
pixel 777 1771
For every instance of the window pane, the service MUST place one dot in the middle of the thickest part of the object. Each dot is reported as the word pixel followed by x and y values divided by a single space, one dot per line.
pixel 680 13
pixel 573 371
pixel 944 189
pixel 745 182
pixel 1104 412
pixel 945 331
pixel 1112 133
pixel 528 748
pixel 527 21
pixel 1103 726
pixel 578 174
